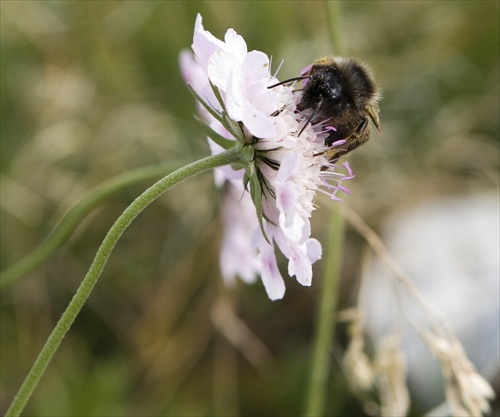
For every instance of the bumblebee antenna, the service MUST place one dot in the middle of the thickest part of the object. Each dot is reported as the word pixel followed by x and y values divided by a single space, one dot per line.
pixel 302 77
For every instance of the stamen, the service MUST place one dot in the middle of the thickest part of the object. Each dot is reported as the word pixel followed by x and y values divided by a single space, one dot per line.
pixel 338 143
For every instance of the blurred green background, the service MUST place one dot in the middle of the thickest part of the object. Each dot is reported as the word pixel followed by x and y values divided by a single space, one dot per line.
pixel 91 89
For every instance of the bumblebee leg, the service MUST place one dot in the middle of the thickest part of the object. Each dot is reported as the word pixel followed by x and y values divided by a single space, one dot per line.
pixel 360 136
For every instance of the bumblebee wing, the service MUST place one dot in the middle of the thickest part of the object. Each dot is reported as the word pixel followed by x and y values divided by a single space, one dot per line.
pixel 373 111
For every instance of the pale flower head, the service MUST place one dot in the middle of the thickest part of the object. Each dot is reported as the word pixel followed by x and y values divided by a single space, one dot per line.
pixel 357 366
pixel 467 392
pixel 270 200
pixel 390 365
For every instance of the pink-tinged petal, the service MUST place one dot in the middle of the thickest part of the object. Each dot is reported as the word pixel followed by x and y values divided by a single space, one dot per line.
pixel 270 274
pixel 196 77
pixel 238 255
pixel 192 72
pixel 290 221
pixel 286 198
pixel 286 168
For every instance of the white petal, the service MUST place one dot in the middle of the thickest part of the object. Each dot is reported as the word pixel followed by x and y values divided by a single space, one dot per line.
pixel 300 265
pixel 236 45
pixel 235 97
pixel 306 232
pixel 226 59
pixel 261 97
pixel 259 124
pixel 204 43
pixel 220 65
pixel 256 65
pixel 292 227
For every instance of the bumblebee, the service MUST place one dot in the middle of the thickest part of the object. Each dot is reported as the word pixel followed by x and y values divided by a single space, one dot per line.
pixel 340 93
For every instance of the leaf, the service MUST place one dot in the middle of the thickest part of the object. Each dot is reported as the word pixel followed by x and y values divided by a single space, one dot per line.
pixel 218 96
pixel 207 106
pixel 231 126
pixel 256 194
pixel 220 140
pixel 234 128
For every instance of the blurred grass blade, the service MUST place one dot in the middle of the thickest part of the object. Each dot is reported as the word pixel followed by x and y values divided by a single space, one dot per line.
pixel 326 316
pixel 67 225
pixel 326 313
pixel 101 258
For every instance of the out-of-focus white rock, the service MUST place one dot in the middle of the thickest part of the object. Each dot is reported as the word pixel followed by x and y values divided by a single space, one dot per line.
pixel 451 249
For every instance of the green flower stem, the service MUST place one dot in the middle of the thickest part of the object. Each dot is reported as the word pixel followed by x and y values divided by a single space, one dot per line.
pixel 325 326
pixel 334 25
pixel 140 203
pixel 61 233
pixel 326 314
